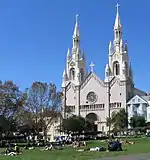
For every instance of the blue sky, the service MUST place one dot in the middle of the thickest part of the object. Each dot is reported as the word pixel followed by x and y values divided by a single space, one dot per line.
pixel 35 36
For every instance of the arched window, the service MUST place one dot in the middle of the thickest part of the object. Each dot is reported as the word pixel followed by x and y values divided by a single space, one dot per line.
pixel 117 35
pixel 126 67
pixel 116 68
pixel 82 74
pixel 72 73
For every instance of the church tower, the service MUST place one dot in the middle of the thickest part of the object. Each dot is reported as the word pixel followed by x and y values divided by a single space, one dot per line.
pixel 75 70
pixel 118 64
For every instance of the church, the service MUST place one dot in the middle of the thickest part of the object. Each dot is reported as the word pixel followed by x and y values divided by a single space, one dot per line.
pixel 87 95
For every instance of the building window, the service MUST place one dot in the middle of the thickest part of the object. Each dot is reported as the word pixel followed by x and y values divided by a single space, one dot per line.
pixel 126 69
pixel 82 74
pixel 102 128
pixel 116 68
pixel 72 74
pixel 149 116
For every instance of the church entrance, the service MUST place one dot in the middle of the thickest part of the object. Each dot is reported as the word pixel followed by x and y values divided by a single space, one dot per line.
pixel 93 118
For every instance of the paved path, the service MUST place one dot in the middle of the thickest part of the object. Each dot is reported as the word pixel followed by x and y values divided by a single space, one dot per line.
pixel 130 157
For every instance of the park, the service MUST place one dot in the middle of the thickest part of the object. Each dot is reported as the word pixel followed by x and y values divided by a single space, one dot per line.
pixel 141 145
pixel 83 118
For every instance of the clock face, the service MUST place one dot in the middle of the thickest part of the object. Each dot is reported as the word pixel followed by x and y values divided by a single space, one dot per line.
pixel 72 64
pixel 91 97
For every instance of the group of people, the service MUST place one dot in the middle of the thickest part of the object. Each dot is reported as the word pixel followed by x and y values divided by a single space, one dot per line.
pixel 12 151
pixel 112 146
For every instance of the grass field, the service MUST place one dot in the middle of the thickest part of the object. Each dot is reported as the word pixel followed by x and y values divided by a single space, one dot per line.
pixel 141 146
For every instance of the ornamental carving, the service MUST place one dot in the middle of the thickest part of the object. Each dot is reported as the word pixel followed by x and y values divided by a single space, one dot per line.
pixel 91 97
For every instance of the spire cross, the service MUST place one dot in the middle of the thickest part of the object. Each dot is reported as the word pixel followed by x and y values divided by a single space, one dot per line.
pixel 92 66
pixel 117 6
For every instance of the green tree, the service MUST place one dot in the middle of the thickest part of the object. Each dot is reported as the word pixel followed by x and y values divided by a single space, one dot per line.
pixel 76 124
pixel 137 122
pixel 42 106
pixel 119 121
pixel 10 103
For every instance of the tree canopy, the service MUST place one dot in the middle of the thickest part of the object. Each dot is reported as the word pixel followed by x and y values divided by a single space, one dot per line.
pixel 11 101
pixel 118 121
pixel 76 124
pixel 137 121
pixel 42 106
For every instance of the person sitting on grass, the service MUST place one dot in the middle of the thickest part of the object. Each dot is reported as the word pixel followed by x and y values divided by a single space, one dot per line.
pixel 11 152
pixel 8 150
pixel 17 149
pixel 114 146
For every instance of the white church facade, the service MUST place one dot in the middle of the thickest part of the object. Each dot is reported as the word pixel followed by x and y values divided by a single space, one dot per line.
pixel 85 94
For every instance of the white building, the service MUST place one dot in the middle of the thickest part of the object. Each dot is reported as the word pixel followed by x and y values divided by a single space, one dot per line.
pixel 139 105
pixel 85 93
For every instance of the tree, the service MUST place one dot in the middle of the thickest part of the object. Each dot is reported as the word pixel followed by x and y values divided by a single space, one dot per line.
pixel 10 99
pixel 42 106
pixel 137 122
pixel 118 121
pixel 10 102
pixel 76 124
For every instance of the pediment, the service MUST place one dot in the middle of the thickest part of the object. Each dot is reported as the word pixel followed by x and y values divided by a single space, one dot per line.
pixel 136 100
pixel 89 77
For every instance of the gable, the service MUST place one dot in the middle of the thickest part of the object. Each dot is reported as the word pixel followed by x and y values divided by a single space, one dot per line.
pixel 136 100
pixel 92 84
pixel 92 76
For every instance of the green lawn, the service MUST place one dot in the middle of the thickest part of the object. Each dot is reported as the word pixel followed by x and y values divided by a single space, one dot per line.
pixel 141 146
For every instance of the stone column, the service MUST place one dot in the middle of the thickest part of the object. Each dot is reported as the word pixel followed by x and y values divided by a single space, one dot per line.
pixel 77 109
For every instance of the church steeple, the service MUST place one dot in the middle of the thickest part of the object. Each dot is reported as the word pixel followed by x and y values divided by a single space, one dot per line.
pixel 75 63
pixel 76 35
pixel 118 52
pixel 117 30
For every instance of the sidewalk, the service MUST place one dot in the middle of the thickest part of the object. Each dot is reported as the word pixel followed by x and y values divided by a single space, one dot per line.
pixel 145 156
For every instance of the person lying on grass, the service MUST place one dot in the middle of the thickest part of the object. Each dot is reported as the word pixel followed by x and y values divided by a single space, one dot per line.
pixel 98 149
pixel 46 148
pixel 127 142
pixel 29 146
pixel 112 146
pixel 77 144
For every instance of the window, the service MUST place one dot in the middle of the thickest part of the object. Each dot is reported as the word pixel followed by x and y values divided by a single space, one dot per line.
pixel 102 128
pixel 149 116
pixel 82 74
pixel 116 68
pixel 72 74
pixel 126 69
